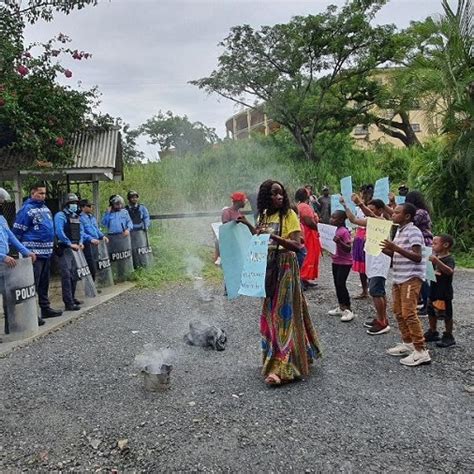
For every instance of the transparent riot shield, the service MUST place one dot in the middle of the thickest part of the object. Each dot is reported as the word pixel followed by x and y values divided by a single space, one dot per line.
pixel 19 296
pixel 82 274
pixel 103 275
pixel 120 254
pixel 141 250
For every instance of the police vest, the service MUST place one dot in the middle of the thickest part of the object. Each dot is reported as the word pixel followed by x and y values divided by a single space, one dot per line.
pixel 135 214
pixel 72 228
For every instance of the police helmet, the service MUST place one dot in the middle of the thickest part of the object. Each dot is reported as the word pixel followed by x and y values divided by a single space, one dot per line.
pixel 4 196
pixel 116 199
pixel 71 197
pixel 131 194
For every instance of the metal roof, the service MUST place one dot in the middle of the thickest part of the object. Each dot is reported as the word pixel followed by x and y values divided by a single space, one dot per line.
pixel 97 153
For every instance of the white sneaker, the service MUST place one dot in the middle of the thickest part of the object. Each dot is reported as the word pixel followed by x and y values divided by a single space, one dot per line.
pixel 218 261
pixel 401 349
pixel 417 358
pixel 347 315
pixel 335 312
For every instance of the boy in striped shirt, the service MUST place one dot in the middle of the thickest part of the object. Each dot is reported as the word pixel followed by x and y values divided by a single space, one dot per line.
pixel 409 268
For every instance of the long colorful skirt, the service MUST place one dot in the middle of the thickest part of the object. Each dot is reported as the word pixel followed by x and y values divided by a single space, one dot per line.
pixel 358 252
pixel 289 341
pixel 310 268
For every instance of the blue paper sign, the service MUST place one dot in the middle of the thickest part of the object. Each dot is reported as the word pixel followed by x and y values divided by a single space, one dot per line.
pixel 382 189
pixel 255 267
pixel 234 241
pixel 346 191
pixel 335 204
pixel 400 199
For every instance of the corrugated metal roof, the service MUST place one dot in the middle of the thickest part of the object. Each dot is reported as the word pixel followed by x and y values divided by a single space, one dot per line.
pixel 90 150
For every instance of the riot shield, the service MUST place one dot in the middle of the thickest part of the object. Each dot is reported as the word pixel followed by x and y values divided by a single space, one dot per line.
pixel 82 274
pixel 103 275
pixel 19 294
pixel 120 254
pixel 141 250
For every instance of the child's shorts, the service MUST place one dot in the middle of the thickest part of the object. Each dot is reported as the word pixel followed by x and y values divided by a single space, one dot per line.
pixel 445 314
pixel 377 286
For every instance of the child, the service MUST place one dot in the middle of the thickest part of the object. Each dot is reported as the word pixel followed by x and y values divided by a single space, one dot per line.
pixel 377 268
pixel 441 291
pixel 408 274
pixel 341 266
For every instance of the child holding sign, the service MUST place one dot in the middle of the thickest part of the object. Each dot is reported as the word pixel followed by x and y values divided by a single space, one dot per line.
pixel 341 266
pixel 409 269
pixel 440 303
pixel 377 267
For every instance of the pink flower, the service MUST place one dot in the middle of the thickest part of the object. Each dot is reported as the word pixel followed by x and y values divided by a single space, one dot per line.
pixel 68 73
pixel 2 102
pixel 55 52
pixel 22 70
pixel 60 141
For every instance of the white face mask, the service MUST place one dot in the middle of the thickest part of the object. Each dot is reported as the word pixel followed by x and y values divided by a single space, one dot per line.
pixel 72 207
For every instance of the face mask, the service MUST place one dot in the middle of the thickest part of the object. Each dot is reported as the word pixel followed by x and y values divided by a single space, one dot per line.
pixel 72 207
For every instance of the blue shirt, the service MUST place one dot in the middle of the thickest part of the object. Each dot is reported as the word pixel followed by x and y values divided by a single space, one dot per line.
pixel 91 228
pixel 117 221
pixel 144 215
pixel 34 227
pixel 60 220
pixel 7 238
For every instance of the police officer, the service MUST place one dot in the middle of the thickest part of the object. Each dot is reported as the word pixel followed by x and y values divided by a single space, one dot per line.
pixel 7 239
pixel 34 228
pixel 70 235
pixel 138 212
pixel 92 235
pixel 117 219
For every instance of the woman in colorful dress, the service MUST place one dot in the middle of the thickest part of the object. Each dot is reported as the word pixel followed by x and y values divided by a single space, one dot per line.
pixel 358 253
pixel 289 340
pixel 309 225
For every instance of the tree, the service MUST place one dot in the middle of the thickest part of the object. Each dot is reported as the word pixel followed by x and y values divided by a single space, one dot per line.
pixel 174 132
pixel 131 154
pixel 37 114
pixel 311 74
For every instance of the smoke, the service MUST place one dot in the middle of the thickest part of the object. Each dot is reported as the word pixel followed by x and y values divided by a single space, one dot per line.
pixel 152 359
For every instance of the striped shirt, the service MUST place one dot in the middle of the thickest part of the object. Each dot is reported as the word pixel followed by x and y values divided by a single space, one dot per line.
pixel 403 268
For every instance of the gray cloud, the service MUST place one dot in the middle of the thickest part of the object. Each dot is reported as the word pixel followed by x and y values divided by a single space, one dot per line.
pixel 146 51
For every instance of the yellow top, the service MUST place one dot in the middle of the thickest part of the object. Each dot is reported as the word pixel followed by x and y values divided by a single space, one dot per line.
pixel 290 223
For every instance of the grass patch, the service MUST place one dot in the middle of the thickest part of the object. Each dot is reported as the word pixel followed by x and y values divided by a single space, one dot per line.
pixel 464 260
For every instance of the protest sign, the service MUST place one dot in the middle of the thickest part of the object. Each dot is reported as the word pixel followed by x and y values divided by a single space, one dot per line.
pixel 255 267
pixel 378 230
pixel 326 236
pixel 382 189
pixel 346 191
pixel 215 228
pixel 430 272
pixel 400 199
pixel 335 204
pixel 234 241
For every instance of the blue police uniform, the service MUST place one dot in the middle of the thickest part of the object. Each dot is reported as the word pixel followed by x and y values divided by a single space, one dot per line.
pixel 34 228
pixel 69 230
pixel 91 229
pixel 117 222
pixel 140 216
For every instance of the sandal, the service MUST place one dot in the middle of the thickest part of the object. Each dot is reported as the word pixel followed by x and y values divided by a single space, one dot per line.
pixel 273 380
pixel 362 296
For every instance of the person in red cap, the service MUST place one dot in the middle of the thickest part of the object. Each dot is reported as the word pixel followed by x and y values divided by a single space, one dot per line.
pixel 233 212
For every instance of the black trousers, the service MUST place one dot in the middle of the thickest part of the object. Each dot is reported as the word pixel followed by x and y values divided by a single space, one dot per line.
pixel 340 274
pixel 41 271
pixel 68 278
pixel 92 256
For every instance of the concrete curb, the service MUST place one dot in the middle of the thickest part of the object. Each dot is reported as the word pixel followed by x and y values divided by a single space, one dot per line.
pixel 53 324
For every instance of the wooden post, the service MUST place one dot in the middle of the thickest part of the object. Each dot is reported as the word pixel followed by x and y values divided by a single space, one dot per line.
pixel 95 199
pixel 234 128
pixel 18 192
pixel 249 121
pixel 265 121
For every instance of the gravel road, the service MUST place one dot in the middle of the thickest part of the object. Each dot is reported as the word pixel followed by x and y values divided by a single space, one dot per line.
pixel 69 398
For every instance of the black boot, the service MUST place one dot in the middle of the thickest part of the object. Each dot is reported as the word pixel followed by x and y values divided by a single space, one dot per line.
pixel 446 341
pixel 50 313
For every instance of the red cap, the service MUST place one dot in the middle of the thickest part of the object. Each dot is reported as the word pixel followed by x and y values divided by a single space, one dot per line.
pixel 238 196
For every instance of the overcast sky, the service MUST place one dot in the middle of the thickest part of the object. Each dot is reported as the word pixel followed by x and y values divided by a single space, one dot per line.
pixel 145 51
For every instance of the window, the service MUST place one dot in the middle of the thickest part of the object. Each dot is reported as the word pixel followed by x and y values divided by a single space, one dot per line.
pixel 361 131
pixel 416 127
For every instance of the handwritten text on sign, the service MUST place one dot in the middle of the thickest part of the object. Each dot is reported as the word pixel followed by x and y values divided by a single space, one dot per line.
pixel 255 265
pixel 326 236
pixel 377 231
